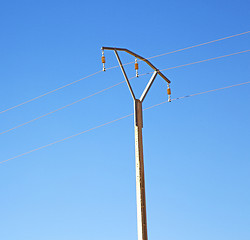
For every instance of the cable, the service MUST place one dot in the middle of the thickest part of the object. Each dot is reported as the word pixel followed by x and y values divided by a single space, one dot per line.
pixel 103 90
pixel 91 129
pixel 205 60
pixel 188 64
pixel 198 45
pixel 213 90
pixel 61 140
pixel 186 48
pixel 35 98
pixel 58 109
pixel 200 93
pixel 179 50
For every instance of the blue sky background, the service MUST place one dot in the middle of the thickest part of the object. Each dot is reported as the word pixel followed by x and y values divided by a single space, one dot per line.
pixel 196 150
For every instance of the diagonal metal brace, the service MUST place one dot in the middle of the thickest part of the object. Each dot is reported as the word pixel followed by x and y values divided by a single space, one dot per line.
pixel 125 75
pixel 148 86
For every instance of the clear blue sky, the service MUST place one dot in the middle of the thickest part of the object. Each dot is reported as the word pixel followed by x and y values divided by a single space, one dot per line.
pixel 197 157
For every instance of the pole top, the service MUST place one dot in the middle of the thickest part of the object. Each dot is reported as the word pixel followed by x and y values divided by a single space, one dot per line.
pixel 140 57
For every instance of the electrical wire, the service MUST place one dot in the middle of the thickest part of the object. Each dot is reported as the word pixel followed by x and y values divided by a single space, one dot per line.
pixel 198 45
pixel 47 93
pixel 118 119
pixel 61 140
pixel 103 90
pixel 206 60
pixel 58 109
pixel 201 61
pixel 69 84
pixel 186 48
pixel 196 94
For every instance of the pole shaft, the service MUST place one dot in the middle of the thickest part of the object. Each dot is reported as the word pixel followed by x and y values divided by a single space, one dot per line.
pixel 140 181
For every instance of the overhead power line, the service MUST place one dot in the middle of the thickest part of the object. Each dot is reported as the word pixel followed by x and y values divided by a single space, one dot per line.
pixel 200 93
pixel 198 45
pixel 105 89
pixel 186 48
pixel 61 140
pixel 61 108
pixel 47 93
pixel 71 83
pixel 206 60
pixel 201 61
pixel 118 119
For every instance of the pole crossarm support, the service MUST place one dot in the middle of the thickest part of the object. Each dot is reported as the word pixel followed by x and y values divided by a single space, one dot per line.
pixel 140 57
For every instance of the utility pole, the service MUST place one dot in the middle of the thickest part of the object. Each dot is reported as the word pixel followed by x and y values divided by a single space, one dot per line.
pixel 138 120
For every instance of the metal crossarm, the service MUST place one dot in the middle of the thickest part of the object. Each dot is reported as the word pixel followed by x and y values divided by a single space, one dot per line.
pixel 140 57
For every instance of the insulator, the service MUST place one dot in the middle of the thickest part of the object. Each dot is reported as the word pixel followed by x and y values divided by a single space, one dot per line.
pixel 103 61
pixel 169 93
pixel 136 67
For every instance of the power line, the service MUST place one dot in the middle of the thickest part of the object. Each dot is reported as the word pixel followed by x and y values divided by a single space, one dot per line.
pixel 58 109
pixel 103 90
pixel 201 44
pixel 47 93
pixel 118 119
pixel 179 50
pixel 200 93
pixel 205 60
pixel 61 140
pixel 188 64
pixel 190 47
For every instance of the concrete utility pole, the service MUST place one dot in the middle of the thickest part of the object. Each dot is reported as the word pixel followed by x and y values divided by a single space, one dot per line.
pixel 140 182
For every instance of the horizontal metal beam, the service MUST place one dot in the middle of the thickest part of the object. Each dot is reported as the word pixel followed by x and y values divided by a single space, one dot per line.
pixel 140 57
